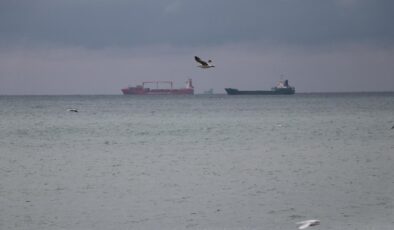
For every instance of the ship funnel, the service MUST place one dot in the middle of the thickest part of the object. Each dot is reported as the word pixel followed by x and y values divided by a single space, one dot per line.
pixel 189 84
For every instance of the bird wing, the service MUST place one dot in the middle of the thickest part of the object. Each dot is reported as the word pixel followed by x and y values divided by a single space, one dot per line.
pixel 307 223
pixel 200 61
pixel 304 226
pixel 303 222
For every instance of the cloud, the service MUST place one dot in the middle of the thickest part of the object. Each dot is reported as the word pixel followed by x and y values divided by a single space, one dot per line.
pixel 100 24
pixel 173 7
pixel 347 3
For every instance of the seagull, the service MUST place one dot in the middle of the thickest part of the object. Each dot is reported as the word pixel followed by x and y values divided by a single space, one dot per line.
pixel 307 223
pixel 204 64
pixel 73 110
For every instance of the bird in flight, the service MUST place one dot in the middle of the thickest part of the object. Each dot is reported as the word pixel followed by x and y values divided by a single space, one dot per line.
pixel 203 64
pixel 308 223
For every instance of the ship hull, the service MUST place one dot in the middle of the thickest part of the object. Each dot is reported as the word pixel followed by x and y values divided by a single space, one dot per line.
pixel 289 91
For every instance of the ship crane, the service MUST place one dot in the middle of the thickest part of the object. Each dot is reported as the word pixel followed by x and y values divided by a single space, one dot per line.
pixel 157 83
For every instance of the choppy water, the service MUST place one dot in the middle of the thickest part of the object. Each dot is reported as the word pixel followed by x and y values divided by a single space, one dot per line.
pixel 197 162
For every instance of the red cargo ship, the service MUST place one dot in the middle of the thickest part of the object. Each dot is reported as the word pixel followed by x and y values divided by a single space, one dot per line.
pixel 142 90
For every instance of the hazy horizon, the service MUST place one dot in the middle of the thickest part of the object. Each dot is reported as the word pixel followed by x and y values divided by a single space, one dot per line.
pixel 98 47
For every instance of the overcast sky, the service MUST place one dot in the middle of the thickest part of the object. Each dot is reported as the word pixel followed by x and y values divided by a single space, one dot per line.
pixel 100 46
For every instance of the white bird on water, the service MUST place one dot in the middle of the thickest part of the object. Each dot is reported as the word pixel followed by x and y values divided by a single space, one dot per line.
pixel 204 64
pixel 307 223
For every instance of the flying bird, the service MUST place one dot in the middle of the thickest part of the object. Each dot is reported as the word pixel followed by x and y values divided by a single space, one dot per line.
pixel 307 223
pixel 203 64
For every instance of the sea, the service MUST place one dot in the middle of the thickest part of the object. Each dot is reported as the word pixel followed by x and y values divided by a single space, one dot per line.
pixel 197 162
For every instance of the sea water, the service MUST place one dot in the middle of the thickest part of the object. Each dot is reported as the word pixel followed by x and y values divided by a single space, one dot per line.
pixel 197 162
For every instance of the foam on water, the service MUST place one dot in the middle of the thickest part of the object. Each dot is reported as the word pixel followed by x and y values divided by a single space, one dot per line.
pixel 197 162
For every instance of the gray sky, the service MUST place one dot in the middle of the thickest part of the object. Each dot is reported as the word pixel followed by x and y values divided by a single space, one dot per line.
pixel 100 46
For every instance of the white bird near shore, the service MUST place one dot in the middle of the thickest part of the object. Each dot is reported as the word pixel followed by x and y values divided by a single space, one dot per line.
pixel 307 223
pixel 203 64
